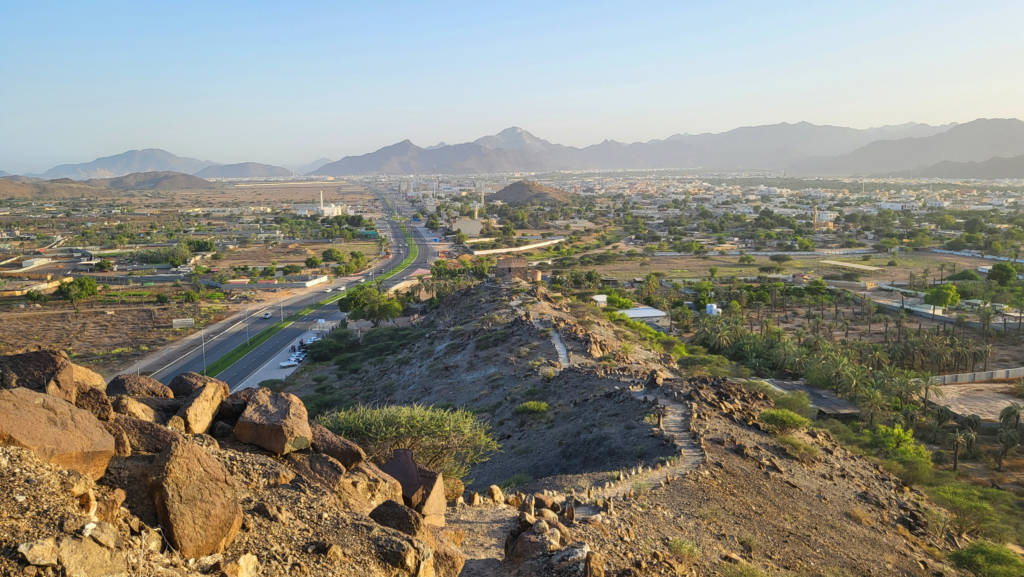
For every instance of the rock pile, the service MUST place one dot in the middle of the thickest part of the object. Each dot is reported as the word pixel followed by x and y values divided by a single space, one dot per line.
pixel 88 469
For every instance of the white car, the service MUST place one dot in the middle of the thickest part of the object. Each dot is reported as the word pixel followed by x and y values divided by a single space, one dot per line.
pixel 289 364
pixel 266 315
pixel 327 290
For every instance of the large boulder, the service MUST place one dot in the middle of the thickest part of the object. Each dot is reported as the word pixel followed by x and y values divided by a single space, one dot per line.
pixel 126 405
pixel 138 386
pixel 397 516
pixel 49 372
pixel 277 422
pixel 422 489
pixel 318 469
pixel 86 378
pixel 184 384
pixel 195 500
pixel 345 451
pixel 144 436
pixel 96 402
pixel 201 406
pixel 55 430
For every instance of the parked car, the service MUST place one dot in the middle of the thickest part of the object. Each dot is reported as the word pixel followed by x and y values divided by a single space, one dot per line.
pixel 289 364
pixel 266 315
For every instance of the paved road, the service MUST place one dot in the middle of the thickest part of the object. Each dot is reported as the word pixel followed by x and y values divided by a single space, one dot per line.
pixel 220 342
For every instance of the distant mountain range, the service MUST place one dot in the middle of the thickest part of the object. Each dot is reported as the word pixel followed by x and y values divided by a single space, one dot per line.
pixel 27 187
pixel 969 150
pixel 2 173
pixel 158 160
pixel 999 167
pixel 244 170
pixel 147 160
pixel 770 147
pixel 161 180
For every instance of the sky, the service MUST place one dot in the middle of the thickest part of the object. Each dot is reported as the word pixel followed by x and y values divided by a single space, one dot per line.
pixel 290 82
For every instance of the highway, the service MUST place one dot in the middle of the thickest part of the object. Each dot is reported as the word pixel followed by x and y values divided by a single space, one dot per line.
pixel 218 341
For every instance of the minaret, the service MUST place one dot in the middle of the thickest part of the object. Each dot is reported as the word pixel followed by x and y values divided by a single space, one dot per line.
pixel 321 202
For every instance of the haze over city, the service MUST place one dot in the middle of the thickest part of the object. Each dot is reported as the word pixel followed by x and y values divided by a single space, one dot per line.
pixel 285 84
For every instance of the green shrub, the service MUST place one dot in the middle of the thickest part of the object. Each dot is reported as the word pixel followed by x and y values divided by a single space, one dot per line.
pixel 898 445
pixel 445 440
pixel 781 421
pixel 532 408
pixel 684 551
pixel 967 504
pixel 986 559
pixel 800 450
pixel 798 402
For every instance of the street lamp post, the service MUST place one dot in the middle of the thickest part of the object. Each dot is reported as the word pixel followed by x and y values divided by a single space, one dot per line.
pixel 203 333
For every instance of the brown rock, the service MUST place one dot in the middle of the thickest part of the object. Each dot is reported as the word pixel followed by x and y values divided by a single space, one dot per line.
pixel 122 446
pixel 594 565
pixel 195 500
pixel 49 372
pixel 202 405
pixel 247 565
pixel 108 508
pixel 55 430
pixel 184 384
pixel 96 402
pixel 318 469
pixel 398 553
pixel 366 486
pixel 397 516
pixel 496 494
pixel 126 405
pixel 448 560
pixel 345 451
pixel 277 422
pixel 531 544
pixel 87 558
pixel 144 436
pixel 40 553
pixel 86 378
pixel 138 386
pixel 422 489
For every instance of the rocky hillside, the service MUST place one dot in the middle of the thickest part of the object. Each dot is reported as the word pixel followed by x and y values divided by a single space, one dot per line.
pixel 133 477
pixel 528 192
pixel 631 467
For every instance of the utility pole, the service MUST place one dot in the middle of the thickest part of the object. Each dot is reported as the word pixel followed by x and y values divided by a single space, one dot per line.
pixel 203 333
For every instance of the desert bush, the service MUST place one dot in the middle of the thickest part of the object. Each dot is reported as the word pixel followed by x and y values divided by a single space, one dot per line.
pixel 532 408
pixel 860 516
pixel 445 440
pixel 684 551
pixel 782 421
pixel 800 450
pixel 986 559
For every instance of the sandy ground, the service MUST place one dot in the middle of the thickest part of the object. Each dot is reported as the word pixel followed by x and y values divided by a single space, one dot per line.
pixel 982 399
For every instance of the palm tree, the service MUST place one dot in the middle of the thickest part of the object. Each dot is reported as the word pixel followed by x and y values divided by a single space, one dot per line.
pixel 929 386
pixel 1009 417
pixel 872 403
pixel 942 268
pixel 1008 440
pixel 958 439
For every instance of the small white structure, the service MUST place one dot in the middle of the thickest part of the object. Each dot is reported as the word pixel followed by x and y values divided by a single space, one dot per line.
pixel 600 300
pixel 711 309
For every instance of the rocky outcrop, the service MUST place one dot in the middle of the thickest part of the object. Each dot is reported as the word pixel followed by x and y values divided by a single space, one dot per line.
pixel 138 386
pixel 126 405
pixel 49 372
pixel 195 500
pixel 233 406
pixel 202 405
pixel 345 451
pixel 55 430
pixel 184 384
pixel 277 422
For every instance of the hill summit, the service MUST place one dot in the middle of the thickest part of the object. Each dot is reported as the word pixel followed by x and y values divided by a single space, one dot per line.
pixel 530 192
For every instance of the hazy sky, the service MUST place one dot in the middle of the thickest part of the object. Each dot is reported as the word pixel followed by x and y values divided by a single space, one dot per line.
pixel 287 83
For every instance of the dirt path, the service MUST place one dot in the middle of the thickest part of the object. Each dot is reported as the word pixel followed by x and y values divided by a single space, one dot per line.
pixel 486 527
